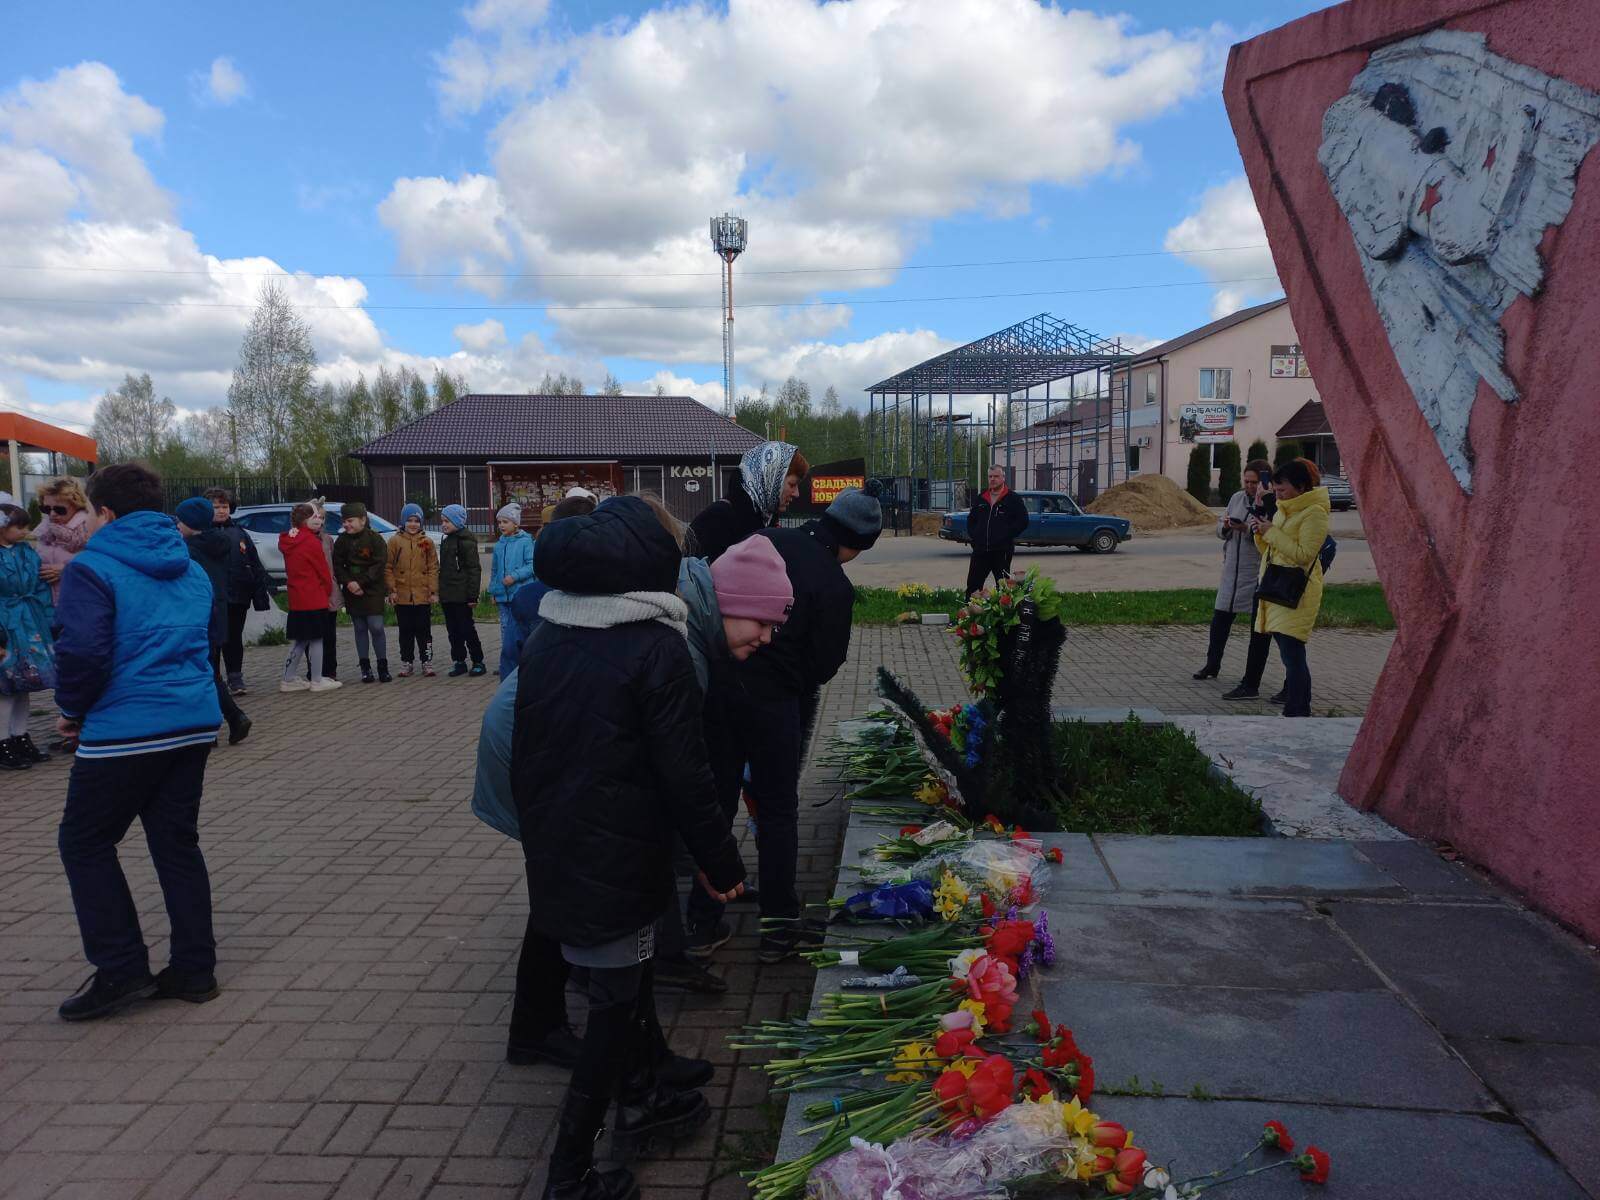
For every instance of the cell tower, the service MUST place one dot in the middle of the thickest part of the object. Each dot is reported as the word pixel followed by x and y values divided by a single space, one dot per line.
pixel 729 236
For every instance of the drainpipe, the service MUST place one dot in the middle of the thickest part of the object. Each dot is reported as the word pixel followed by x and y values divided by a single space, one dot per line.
pixel 1162 435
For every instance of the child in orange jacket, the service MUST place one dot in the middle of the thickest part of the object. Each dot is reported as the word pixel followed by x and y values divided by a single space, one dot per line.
pixel 412 577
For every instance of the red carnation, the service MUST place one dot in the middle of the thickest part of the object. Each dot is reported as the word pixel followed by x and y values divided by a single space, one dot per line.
pixel 1019 833
pixel 1274 1134
pixel 1314 1165
pixel 987 905
pixel 1053 854
pixel 1035 1086
pixel 908 830
pixel 1085 1079
pixel 1041 1025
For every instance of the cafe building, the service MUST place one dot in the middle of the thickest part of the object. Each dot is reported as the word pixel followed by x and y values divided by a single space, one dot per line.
pixel 485 450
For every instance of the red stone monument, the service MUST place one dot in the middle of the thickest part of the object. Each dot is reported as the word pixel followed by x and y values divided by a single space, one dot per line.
pixel 1427 176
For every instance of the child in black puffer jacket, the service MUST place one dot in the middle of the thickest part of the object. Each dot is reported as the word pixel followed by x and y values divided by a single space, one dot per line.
pixel 608 763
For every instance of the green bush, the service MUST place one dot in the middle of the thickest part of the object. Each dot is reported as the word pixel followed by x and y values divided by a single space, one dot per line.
pixel 1200 474
pixel 273 637
pixel 1286 452
pixel 1258 449
pixel 1229 470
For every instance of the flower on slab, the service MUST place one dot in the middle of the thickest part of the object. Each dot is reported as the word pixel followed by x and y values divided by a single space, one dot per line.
pixel 982 1091
pixel 951 896
pixel 1035 1086
pixel 979 1013
pixel 1274 1134
pixel 962 963
pixel 914 1063
pixel 1314 1165
pixel 1053 854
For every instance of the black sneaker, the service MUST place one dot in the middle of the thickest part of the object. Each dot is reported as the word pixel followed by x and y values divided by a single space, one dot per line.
pixel 560 1048
pixel 12 758
pixel 477 670
pixel 779 944
pixel 457 670
pixel 1242 693
pixel 1280 696
pixel 100 997
pixel 681 975
pixel 238 729
pixel 705 940
pixel 195 988
pixel 29 751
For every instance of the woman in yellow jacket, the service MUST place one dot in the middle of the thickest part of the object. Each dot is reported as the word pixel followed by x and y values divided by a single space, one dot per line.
pixel 411 573
pixel 1294 539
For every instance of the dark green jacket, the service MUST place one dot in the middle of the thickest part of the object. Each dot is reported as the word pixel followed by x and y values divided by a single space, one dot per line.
pixel 460 569
pixel 360 557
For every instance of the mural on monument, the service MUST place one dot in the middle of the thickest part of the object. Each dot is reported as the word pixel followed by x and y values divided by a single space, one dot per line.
pixel 1450 162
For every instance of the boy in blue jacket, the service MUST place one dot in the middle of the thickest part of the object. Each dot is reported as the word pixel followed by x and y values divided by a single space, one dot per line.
pixel 511 566
pixel 137 691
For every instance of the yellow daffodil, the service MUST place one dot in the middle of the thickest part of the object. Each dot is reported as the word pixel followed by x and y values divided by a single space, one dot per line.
pixel 950 897
pixel 976 1008
pixel 1077 1119
pixel 933 792
pixel 965 1066
pixel 913 1063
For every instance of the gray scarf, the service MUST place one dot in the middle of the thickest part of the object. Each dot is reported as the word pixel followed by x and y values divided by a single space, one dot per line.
pixel 607 612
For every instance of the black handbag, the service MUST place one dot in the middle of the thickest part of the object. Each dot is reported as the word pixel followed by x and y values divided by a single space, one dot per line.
pixel 1282 585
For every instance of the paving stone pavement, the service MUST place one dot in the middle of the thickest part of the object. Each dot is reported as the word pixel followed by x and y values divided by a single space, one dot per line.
pixel 368 928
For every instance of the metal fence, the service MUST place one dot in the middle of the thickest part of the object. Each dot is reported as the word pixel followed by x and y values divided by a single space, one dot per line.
pixel 258 489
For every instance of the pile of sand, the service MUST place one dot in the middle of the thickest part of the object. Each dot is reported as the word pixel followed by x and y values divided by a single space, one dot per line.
pixel 1153 502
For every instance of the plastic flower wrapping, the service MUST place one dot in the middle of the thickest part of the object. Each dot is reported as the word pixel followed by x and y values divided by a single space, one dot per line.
pixel 974 878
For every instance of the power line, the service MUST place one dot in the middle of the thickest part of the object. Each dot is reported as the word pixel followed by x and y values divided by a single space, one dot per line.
pixel 951 266
pixel 590 308
pixel 11 405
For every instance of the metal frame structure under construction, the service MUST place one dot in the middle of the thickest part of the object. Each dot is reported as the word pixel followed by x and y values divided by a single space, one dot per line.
pixel 1021 365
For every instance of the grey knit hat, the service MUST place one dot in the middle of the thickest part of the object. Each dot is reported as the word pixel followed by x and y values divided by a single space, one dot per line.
pixel 855 518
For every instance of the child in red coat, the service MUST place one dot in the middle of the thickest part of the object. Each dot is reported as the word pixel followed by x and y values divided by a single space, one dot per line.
pixel 310 582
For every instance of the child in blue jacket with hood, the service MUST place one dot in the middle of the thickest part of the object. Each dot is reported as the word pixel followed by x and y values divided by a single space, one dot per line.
pixel 510 568
pixel 135 687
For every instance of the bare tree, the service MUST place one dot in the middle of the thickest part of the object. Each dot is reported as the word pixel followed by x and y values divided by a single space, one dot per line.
pixel 612 386
pixel 130 422
pixel 272 383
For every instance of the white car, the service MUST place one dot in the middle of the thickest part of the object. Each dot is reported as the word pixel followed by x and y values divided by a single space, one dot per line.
pixel 264 522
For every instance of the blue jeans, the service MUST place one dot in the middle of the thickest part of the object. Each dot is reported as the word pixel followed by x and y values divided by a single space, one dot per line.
pixel 104 796
pixel 1297 676
pixel 510 640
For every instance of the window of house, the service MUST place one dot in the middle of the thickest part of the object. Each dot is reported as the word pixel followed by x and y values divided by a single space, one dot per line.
pixel 1133 459
pixel 1216 383
pixel 1150 387
pixel 418 484
pixel 447 485
pixel 650 482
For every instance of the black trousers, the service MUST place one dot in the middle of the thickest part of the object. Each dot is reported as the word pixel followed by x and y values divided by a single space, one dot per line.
pixel 1297 676
pixel 416 629
pixel 540 1004
pixel 104 798
pixel 233 648
pixel 1255 661
pixel 994 561
pixel 462 631
pixel 230 709
pixel 617 1035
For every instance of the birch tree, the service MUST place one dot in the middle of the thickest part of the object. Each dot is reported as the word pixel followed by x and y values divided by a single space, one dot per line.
pixel 272 383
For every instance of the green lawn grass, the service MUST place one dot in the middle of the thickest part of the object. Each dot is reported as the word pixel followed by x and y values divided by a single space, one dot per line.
pixel 1344 606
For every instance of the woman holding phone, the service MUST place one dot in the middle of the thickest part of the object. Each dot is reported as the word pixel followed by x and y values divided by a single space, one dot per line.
pixel 1240 566
pixel 1293 539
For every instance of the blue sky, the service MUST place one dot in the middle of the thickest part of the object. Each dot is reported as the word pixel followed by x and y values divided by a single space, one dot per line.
pixel 591 140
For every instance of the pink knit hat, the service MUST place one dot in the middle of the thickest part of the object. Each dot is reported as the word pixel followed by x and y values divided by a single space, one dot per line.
pixel 751 582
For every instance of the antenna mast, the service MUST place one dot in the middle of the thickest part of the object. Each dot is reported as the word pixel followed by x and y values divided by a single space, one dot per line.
pixel 729 235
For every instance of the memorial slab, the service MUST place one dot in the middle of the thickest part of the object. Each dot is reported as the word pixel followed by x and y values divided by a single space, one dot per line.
pixel 1556 1090
pixel 1242 866
pixel 1426 177
pixel 1268 1044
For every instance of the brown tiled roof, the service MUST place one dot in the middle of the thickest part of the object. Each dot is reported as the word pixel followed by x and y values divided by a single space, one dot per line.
pixel 1205 331
pixel 556 427
pixel 1310 421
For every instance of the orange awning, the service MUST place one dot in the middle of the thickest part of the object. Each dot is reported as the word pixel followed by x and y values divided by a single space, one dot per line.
pixel 39 435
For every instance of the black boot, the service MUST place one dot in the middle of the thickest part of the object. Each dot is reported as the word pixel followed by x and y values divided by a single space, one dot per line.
pixel 366 672
pixel 383 671
pixel 674 1070
pixel 573 1175
pixel 238 728
pixel 650 1112
pixel 28 750
pixel 13 759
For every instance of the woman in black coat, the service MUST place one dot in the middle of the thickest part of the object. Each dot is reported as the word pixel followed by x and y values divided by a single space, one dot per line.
pixel 608 763
pixel 769 478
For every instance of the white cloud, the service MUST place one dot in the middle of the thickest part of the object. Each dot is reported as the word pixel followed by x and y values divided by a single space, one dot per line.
pixel 840 130
pixel 224 82
pixel 485 335
pixel 1227 217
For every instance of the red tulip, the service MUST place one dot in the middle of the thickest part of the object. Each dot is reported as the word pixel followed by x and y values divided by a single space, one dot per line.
pixel 1109 1134
pixel 908 830
pixel 952 1042
pixel 1130 1165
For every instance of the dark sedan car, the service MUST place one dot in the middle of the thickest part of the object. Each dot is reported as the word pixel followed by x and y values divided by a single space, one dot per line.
pixel 1054 519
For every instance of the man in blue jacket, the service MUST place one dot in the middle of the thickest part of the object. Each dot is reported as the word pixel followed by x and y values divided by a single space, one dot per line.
pixel 136 689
